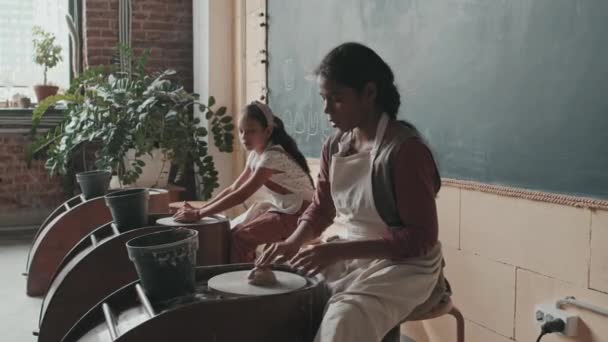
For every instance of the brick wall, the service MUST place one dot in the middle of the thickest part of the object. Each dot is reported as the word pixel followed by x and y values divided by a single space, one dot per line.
pixel 27 195
pixel 164 27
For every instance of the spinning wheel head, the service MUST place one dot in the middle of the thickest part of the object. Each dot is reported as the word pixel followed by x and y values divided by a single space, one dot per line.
pixel 236 282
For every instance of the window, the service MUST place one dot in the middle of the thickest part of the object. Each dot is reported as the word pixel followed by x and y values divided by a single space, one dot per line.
pixel 18 72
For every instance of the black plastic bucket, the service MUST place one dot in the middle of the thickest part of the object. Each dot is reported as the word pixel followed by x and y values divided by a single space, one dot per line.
pixel 94 183
pixel 129 208
pixel 165 262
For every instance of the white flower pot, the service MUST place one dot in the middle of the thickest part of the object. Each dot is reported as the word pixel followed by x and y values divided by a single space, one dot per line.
pixel 155 173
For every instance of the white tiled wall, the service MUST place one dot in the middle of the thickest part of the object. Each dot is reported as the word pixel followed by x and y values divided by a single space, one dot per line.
pixel 599 251
pixel 449 216
pixel 485 288
pixel 515 253
pixel 546 238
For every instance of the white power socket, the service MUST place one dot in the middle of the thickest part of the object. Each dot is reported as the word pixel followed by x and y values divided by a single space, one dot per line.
pixel 548 312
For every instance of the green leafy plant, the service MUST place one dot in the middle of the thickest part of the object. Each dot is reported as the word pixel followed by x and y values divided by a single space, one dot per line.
pixel 46 52
pixel 118 112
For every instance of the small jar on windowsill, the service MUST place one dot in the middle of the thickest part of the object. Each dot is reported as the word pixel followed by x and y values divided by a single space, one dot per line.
pixel 25 102
pixel 20 101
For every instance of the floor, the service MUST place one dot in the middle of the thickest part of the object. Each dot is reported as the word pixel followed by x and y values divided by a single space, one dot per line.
pixel 18 312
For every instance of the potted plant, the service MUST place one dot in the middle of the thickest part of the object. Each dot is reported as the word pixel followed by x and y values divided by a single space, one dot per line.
pixel 118 112
pixel 47 54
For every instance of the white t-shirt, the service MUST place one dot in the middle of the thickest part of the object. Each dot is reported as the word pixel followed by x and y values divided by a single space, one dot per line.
pixel 289 176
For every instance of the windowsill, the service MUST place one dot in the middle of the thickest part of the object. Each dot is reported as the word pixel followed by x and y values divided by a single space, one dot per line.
pixel 18 119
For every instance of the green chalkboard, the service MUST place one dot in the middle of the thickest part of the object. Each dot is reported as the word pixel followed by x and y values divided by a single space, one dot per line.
pixel 508 92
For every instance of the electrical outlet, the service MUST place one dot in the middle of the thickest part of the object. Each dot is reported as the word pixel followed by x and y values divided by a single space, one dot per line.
pixel 548 312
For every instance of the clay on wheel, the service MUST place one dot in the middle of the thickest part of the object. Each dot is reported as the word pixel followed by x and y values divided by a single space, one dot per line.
pixel 262 277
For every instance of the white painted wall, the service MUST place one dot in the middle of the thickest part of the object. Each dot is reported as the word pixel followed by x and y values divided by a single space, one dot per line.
pixel 214 66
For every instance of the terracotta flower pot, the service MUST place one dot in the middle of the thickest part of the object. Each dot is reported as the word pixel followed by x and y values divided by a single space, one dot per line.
pixel 44 91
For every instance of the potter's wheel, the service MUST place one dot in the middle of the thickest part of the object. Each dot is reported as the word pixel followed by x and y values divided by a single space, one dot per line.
pixel 169 221
pixel 237 283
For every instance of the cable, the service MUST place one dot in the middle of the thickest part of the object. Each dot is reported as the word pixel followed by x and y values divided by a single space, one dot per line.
pixel 540 336
pixel 556 325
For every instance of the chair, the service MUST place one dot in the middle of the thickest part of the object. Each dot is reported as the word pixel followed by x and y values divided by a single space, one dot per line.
pixel 445 307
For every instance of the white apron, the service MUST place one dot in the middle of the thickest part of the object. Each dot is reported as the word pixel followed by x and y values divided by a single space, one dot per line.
pixel 272 201
pixel 255 210
pixel 369 297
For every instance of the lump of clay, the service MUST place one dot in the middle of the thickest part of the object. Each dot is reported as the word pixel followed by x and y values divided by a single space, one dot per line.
pixel 261 277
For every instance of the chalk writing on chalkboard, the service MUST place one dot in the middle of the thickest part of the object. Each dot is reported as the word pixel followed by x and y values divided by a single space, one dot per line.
pixel 289 75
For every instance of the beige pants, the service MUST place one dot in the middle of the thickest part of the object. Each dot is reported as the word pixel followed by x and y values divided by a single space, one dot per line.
pixel 370 297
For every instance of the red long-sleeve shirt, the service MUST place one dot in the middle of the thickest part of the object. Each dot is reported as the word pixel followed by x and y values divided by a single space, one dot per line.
pixel 414 175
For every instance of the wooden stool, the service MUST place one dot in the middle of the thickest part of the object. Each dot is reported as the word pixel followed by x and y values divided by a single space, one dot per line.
pixel 175 192
pixel 158 203
pixel 444 308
